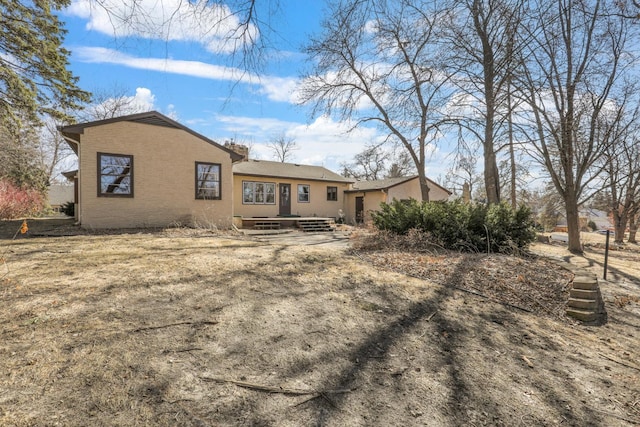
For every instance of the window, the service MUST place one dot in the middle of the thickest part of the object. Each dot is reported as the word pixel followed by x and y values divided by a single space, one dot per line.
pixel 332 194
pixel 303 193
pixel 115 175
pixel 258 193
pixel 208 181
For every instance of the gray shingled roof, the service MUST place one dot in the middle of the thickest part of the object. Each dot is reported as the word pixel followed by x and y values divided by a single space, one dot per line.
pixel 287 170
pixel 380 184
pixel 384 184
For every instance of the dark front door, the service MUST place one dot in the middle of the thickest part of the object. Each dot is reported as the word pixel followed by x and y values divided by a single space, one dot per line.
pixel 285 200
pixel 359 210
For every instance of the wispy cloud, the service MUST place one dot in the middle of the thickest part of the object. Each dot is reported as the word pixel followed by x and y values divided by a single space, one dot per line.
pixel 322 142
pixel 280 89
pixel 211 24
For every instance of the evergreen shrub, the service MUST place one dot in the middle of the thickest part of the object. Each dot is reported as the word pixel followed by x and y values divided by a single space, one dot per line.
pixel 460 226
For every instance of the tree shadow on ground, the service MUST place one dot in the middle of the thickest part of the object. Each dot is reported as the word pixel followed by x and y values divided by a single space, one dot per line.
pixel 461 394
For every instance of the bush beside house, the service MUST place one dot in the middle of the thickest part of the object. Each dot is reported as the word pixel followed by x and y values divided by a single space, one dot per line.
pixel 460 226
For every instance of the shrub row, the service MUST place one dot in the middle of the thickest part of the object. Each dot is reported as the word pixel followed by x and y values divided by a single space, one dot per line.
pixel 461 226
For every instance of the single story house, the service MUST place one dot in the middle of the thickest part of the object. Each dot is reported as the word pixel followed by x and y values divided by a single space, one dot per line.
pixel 147 170
pixel 366 196
pixel 270 189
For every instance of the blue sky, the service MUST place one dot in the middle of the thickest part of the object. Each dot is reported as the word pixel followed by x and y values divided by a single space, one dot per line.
pixel 184 73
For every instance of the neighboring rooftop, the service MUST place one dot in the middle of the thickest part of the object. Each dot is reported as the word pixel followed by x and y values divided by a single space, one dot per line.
pixel 287 170
pixel 384 184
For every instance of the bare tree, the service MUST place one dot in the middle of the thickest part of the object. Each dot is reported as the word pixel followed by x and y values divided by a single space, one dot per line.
pixel 380 62
pixel 621 161
pixel 575 57
pixel 240 29
pixel 283 147
pixel 463 172
pixel 107 103
pixel 368 165
pixel 401 164
pixel 483 37
pixel 52 149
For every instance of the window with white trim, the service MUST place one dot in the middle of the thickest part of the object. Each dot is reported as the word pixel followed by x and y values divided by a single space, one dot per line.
pixel 258 193
pixel 303 193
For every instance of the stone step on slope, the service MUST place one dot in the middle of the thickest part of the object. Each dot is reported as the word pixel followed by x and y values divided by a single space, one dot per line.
pixel 583 294
pixel 585 283
pixel 583 304
pixel 582 315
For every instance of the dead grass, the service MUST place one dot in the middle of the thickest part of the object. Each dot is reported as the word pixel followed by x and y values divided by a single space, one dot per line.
pixel 128 329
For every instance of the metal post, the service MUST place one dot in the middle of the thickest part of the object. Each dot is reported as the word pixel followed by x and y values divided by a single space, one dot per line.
pixel 606 256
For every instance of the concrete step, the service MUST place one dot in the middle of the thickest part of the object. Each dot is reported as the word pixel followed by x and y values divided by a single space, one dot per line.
pixel 314 229
pixel 583 304
pixel 582 315
pixel 583 294
pixel 586 283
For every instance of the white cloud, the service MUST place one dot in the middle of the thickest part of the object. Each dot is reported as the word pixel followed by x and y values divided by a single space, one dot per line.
pixel 323 142
pixel 209 23
pixel 279 89
pixel 143 99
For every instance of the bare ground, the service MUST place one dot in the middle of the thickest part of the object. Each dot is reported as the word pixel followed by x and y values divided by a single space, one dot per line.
pixel 181 327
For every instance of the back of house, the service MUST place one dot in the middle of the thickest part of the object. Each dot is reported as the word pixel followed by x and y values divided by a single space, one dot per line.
pixel 146 170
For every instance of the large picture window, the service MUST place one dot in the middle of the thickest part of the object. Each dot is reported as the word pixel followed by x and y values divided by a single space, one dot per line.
pixel 303 193
pixel 332 194
pixel 258 193
pixel 115 175
pixel 208 181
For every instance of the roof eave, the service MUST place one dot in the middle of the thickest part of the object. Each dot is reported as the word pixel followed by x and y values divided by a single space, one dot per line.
pixel 300 178
pixel 78 129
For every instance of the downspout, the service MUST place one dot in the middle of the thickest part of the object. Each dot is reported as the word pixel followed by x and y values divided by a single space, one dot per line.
pixel 78 208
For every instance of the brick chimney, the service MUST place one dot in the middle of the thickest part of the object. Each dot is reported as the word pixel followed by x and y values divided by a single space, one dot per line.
pixel 243 150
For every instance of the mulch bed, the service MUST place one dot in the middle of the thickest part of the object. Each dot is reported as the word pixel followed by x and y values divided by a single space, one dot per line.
pixel 533 284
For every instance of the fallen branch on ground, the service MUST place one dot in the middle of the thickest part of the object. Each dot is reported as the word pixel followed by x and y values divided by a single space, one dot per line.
pixel 149 328
pixel 270 389
pixel 527 361
pixel 184 350
pixel 619 361
pixel 620 417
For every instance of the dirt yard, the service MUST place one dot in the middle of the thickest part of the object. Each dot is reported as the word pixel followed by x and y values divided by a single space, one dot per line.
pixel 192 328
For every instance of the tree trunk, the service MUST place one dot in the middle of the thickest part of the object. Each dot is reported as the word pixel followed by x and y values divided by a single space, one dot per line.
pixel 512 155
pixel 424 187
pixel 491 177
pixel 633 228
pixel 573 223
pixel 619 225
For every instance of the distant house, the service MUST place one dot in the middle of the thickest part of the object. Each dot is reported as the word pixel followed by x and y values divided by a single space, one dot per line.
pixel 600 218
pixel 147 170
pixel 58 195
pixel 270 189
pixel 366 196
